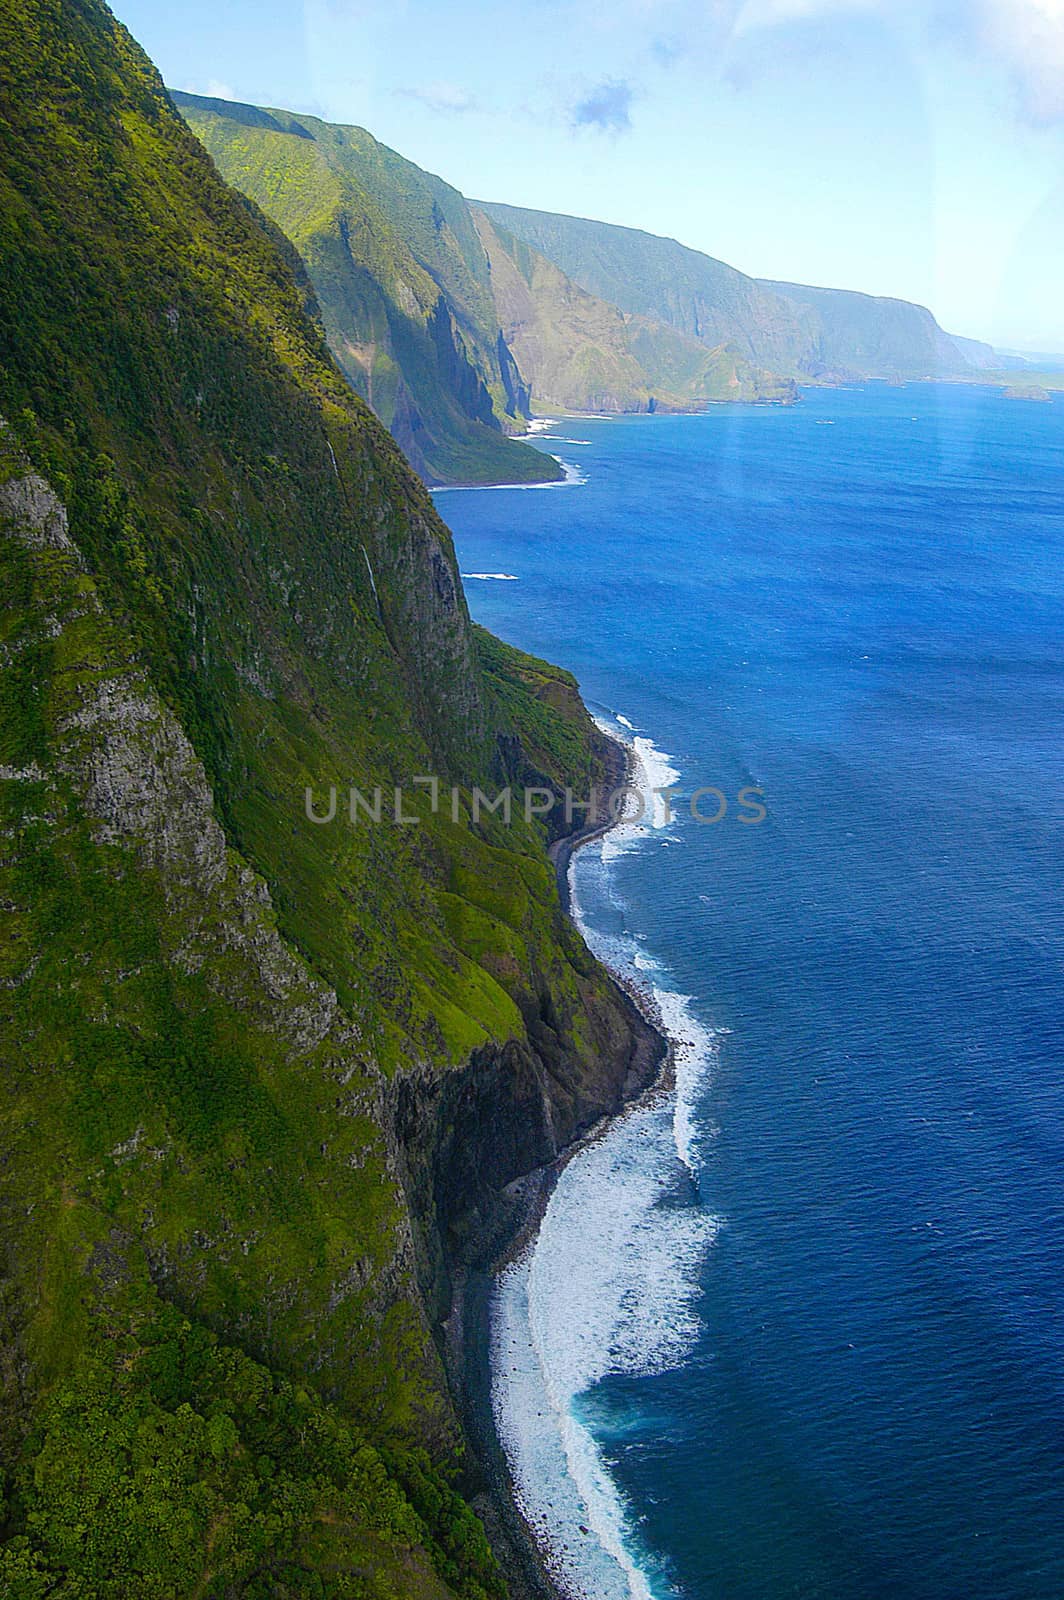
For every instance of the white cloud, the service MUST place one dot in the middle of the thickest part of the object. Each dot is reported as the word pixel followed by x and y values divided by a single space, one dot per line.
pixel 446 97
pixel 607 107
pixel 215 90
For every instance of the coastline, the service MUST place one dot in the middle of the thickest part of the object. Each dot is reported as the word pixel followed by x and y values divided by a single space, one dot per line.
pixel 621 765
pixel 624 1425
pixel 571 478
pixel 518 1216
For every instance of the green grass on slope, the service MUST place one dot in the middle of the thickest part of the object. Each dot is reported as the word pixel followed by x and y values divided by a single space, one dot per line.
pixel 206 997
pixel 791 330
pixel 177 1466
pixel 433 380
pixel 697 295
pixel 174 1165
pixel 582 353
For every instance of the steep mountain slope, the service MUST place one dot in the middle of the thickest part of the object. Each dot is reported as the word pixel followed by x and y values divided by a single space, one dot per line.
pixel 701 298
pixel 580 352
pixel 406 325
pixel 380 236
pixel 261 1075
pixel 978 355
pixel 984 358
pixel 872 335
pixel 792 330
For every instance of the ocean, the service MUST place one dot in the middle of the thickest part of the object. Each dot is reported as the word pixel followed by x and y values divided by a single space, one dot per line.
pixel 797 1330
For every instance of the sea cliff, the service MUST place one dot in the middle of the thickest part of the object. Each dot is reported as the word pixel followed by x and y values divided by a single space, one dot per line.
pixel 262 1078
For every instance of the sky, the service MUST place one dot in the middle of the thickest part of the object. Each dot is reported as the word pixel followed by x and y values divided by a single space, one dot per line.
pixel 904 147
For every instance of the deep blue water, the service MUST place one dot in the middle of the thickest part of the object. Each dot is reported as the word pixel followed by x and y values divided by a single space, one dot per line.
pixel 864 619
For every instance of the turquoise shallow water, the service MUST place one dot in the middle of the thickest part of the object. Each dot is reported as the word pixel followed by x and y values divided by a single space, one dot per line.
pixel 831 1364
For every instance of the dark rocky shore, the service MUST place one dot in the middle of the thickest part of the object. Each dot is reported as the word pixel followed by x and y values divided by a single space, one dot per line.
pixel 508 1228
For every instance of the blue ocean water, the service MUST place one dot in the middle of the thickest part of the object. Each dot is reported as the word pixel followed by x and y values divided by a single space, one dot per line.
pixel 831 1364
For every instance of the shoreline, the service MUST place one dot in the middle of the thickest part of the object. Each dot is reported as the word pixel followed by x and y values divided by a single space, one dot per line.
pixel 521 1207
pixel 1003 383
pixel 571 478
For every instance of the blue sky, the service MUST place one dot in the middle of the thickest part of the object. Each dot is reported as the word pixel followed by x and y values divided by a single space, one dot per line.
pixel 908 147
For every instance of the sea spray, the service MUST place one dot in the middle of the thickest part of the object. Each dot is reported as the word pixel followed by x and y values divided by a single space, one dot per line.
pixel 646 809
pixel 608 1288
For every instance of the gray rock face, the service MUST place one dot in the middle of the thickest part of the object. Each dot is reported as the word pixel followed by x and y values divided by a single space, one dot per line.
pixel 139 779
pixel 29 504
pixel 120 753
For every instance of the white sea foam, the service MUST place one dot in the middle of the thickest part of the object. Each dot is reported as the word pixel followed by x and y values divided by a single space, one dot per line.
pixel 609 1286
pixel 607 1289
pixel 625 723
pixel 645 808
pixel 694 1051
pixel 499 577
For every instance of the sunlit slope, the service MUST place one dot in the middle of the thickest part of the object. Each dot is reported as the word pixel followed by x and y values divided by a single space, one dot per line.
pixel 582 353
pixel 259 1076
pixel 404 315
pixel 794 331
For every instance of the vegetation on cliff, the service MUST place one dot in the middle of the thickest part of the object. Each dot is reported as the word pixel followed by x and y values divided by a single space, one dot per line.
pixel 872 336
pixel 399 276
pixel 452 318
pixel 581 353
pixel 793 331
pixel 377 232
pixel 259 1075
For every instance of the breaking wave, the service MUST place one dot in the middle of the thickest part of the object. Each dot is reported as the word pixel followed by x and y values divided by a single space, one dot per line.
pixel 609 1286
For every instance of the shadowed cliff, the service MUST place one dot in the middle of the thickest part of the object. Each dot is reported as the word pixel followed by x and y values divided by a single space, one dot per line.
pixel 398 273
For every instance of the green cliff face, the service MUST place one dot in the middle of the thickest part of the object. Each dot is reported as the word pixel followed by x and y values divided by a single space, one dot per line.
pixel 261 1076
pixel 380 237
pixel 790 330
pixel 873 336
pixel 583 354
pixel 398 275
pixel 699 297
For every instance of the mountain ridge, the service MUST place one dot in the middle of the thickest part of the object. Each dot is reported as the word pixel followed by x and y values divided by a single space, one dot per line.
pixel 779 325
pixel 580 353
pixel 594 356
pixel 454 318
pixel 415 343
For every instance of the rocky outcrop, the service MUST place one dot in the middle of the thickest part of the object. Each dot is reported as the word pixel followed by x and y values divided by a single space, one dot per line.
pixel 465 1138
pixel 120 760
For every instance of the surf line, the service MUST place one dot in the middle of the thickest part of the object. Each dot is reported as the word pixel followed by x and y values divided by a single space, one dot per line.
pixel 607 1286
